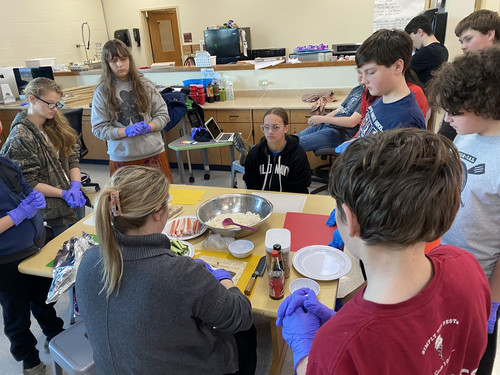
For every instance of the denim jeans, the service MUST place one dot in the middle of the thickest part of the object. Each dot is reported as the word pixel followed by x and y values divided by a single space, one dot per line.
pixel 318 137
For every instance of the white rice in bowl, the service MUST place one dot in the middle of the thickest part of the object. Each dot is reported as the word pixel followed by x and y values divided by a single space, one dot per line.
pixel 248 218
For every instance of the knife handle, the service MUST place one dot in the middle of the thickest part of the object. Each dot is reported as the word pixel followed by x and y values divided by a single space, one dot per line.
pixel 248 289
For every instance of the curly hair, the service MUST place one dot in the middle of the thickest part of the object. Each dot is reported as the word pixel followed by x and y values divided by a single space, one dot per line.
pixel 385 47
pixel 468 84
pixel 403 185
pixel 116 48
pixel 482 20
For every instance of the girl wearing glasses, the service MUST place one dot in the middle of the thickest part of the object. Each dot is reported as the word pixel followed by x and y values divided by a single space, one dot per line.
pixel 129 113
pixel 277 163
pixel 44 145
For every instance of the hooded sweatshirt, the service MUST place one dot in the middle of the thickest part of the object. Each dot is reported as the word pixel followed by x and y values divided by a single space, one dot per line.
pixel 134 148
pixel 288 171
pixel 27 147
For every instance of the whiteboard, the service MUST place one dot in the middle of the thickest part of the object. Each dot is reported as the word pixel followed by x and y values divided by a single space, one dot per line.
pixel 395 14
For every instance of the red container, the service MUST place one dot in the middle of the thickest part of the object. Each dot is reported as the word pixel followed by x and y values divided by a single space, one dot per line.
pixel 201 98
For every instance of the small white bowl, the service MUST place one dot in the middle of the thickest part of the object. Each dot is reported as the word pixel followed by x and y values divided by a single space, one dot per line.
pixel 304 283
pixel 240 248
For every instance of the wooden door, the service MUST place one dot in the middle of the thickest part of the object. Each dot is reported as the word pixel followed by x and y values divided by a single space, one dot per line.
pixel 164 36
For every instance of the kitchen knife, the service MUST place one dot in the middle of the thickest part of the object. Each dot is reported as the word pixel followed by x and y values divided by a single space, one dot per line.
pixel 259 271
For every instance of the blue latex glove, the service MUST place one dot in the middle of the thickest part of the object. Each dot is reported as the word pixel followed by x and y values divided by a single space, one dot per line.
pixel 298 331
pixel 143 128
pixel 337 241
pixel 74 196
pixel 219 274
pixel 331 220
pixel 291 303
pixel 137 128
pixel 27 208
pixel 312 305
pixel 493 317
pixel 341 148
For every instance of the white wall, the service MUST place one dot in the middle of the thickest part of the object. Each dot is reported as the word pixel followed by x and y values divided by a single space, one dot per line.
pixel 48 28
pixel 273 23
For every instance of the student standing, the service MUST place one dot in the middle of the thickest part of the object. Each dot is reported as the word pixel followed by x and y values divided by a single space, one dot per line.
pixel 21 235
pixel 418 314
pixel 44 145
pixel 467 89
pixel 147 310
pixel 429 52
pixel 129 113
pixel 277 162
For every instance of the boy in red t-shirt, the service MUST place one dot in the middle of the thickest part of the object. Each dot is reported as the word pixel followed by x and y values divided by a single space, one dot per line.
pixel 418 314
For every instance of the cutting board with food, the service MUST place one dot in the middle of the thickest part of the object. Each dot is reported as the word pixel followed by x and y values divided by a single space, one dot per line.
pixel 241 270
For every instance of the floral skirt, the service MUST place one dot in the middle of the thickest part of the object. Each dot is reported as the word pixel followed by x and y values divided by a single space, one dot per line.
pixel 159 161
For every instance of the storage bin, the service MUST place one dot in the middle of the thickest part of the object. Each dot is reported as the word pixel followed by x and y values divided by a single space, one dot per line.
pixel 36 63
pixel 202 81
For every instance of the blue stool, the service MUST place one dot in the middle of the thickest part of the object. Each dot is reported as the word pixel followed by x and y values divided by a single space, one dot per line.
pixel 236 167
pixel 71 351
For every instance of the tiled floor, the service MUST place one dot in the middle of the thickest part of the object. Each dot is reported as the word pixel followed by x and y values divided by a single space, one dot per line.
pixel 100 173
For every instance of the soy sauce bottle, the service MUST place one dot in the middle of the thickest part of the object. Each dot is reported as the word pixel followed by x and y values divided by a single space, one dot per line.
pixel 276 277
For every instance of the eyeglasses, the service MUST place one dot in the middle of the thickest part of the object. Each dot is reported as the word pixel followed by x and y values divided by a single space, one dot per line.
pixel 57 105
pixel 267 128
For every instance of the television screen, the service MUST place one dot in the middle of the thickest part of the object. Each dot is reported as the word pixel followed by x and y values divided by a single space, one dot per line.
pixel 24 75
pixel 222 42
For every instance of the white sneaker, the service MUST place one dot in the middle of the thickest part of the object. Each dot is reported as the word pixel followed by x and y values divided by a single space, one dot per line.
pixel 39 369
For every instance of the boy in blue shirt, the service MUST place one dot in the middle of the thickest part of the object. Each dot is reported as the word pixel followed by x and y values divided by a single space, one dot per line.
pixel 467 89
pixel 383 59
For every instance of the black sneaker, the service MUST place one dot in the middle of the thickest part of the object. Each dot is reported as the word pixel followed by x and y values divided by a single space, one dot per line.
pixel 241 146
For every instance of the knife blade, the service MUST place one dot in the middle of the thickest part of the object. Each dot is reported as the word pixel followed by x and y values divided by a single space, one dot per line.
pixel 259 271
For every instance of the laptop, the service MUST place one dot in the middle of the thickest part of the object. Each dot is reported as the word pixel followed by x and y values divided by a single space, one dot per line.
pixel 216 133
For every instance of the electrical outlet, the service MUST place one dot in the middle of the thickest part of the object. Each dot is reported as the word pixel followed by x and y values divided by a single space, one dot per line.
pixel 263 82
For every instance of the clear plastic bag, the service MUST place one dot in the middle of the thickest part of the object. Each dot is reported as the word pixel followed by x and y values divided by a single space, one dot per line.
pixel 66 265
pixel 218 241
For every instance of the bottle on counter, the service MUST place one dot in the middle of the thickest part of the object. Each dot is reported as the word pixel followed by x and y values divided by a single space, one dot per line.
pixel 210 93
pixel 216 93
pixel 276 278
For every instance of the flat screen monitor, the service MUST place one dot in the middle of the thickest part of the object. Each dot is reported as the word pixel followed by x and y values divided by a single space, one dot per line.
pixel 7 77
pixel 223 43
pixel 24 75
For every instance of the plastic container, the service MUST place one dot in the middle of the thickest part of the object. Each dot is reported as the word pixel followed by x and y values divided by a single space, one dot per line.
pixel 280 236
pixel 202 81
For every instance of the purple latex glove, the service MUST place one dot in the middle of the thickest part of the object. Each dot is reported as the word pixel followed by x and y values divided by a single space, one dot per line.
pixel 219 274
pixel 331 220
pixel 27 208
pixel 312 305
pixel 291 303
pixel 74 196
pixel 298 331
pixel 341 148
pixel 137 128
pixel 143 128
pixel 493 317
pixel 337 241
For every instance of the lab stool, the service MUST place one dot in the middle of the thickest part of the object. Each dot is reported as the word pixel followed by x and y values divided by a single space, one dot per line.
pixel 236 167
pixel 71 351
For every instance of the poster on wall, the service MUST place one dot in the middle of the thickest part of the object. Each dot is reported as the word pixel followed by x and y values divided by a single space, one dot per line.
pixel 395 14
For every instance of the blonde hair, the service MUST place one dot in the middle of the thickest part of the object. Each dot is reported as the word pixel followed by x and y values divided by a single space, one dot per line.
pixel 61 134
pixel 116 48
pixel 142 191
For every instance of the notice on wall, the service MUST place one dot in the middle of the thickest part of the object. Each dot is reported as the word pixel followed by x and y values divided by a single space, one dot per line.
pixel 395 14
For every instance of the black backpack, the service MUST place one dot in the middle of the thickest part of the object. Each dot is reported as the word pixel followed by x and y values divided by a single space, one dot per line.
pixel 176 104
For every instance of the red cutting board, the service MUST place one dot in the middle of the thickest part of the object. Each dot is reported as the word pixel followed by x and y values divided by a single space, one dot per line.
pixel 308 229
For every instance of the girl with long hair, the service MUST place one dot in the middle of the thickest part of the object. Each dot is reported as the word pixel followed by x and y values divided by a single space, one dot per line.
pixel 129 113
pixel 162 313
pixel 277 162
pixel 44 145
